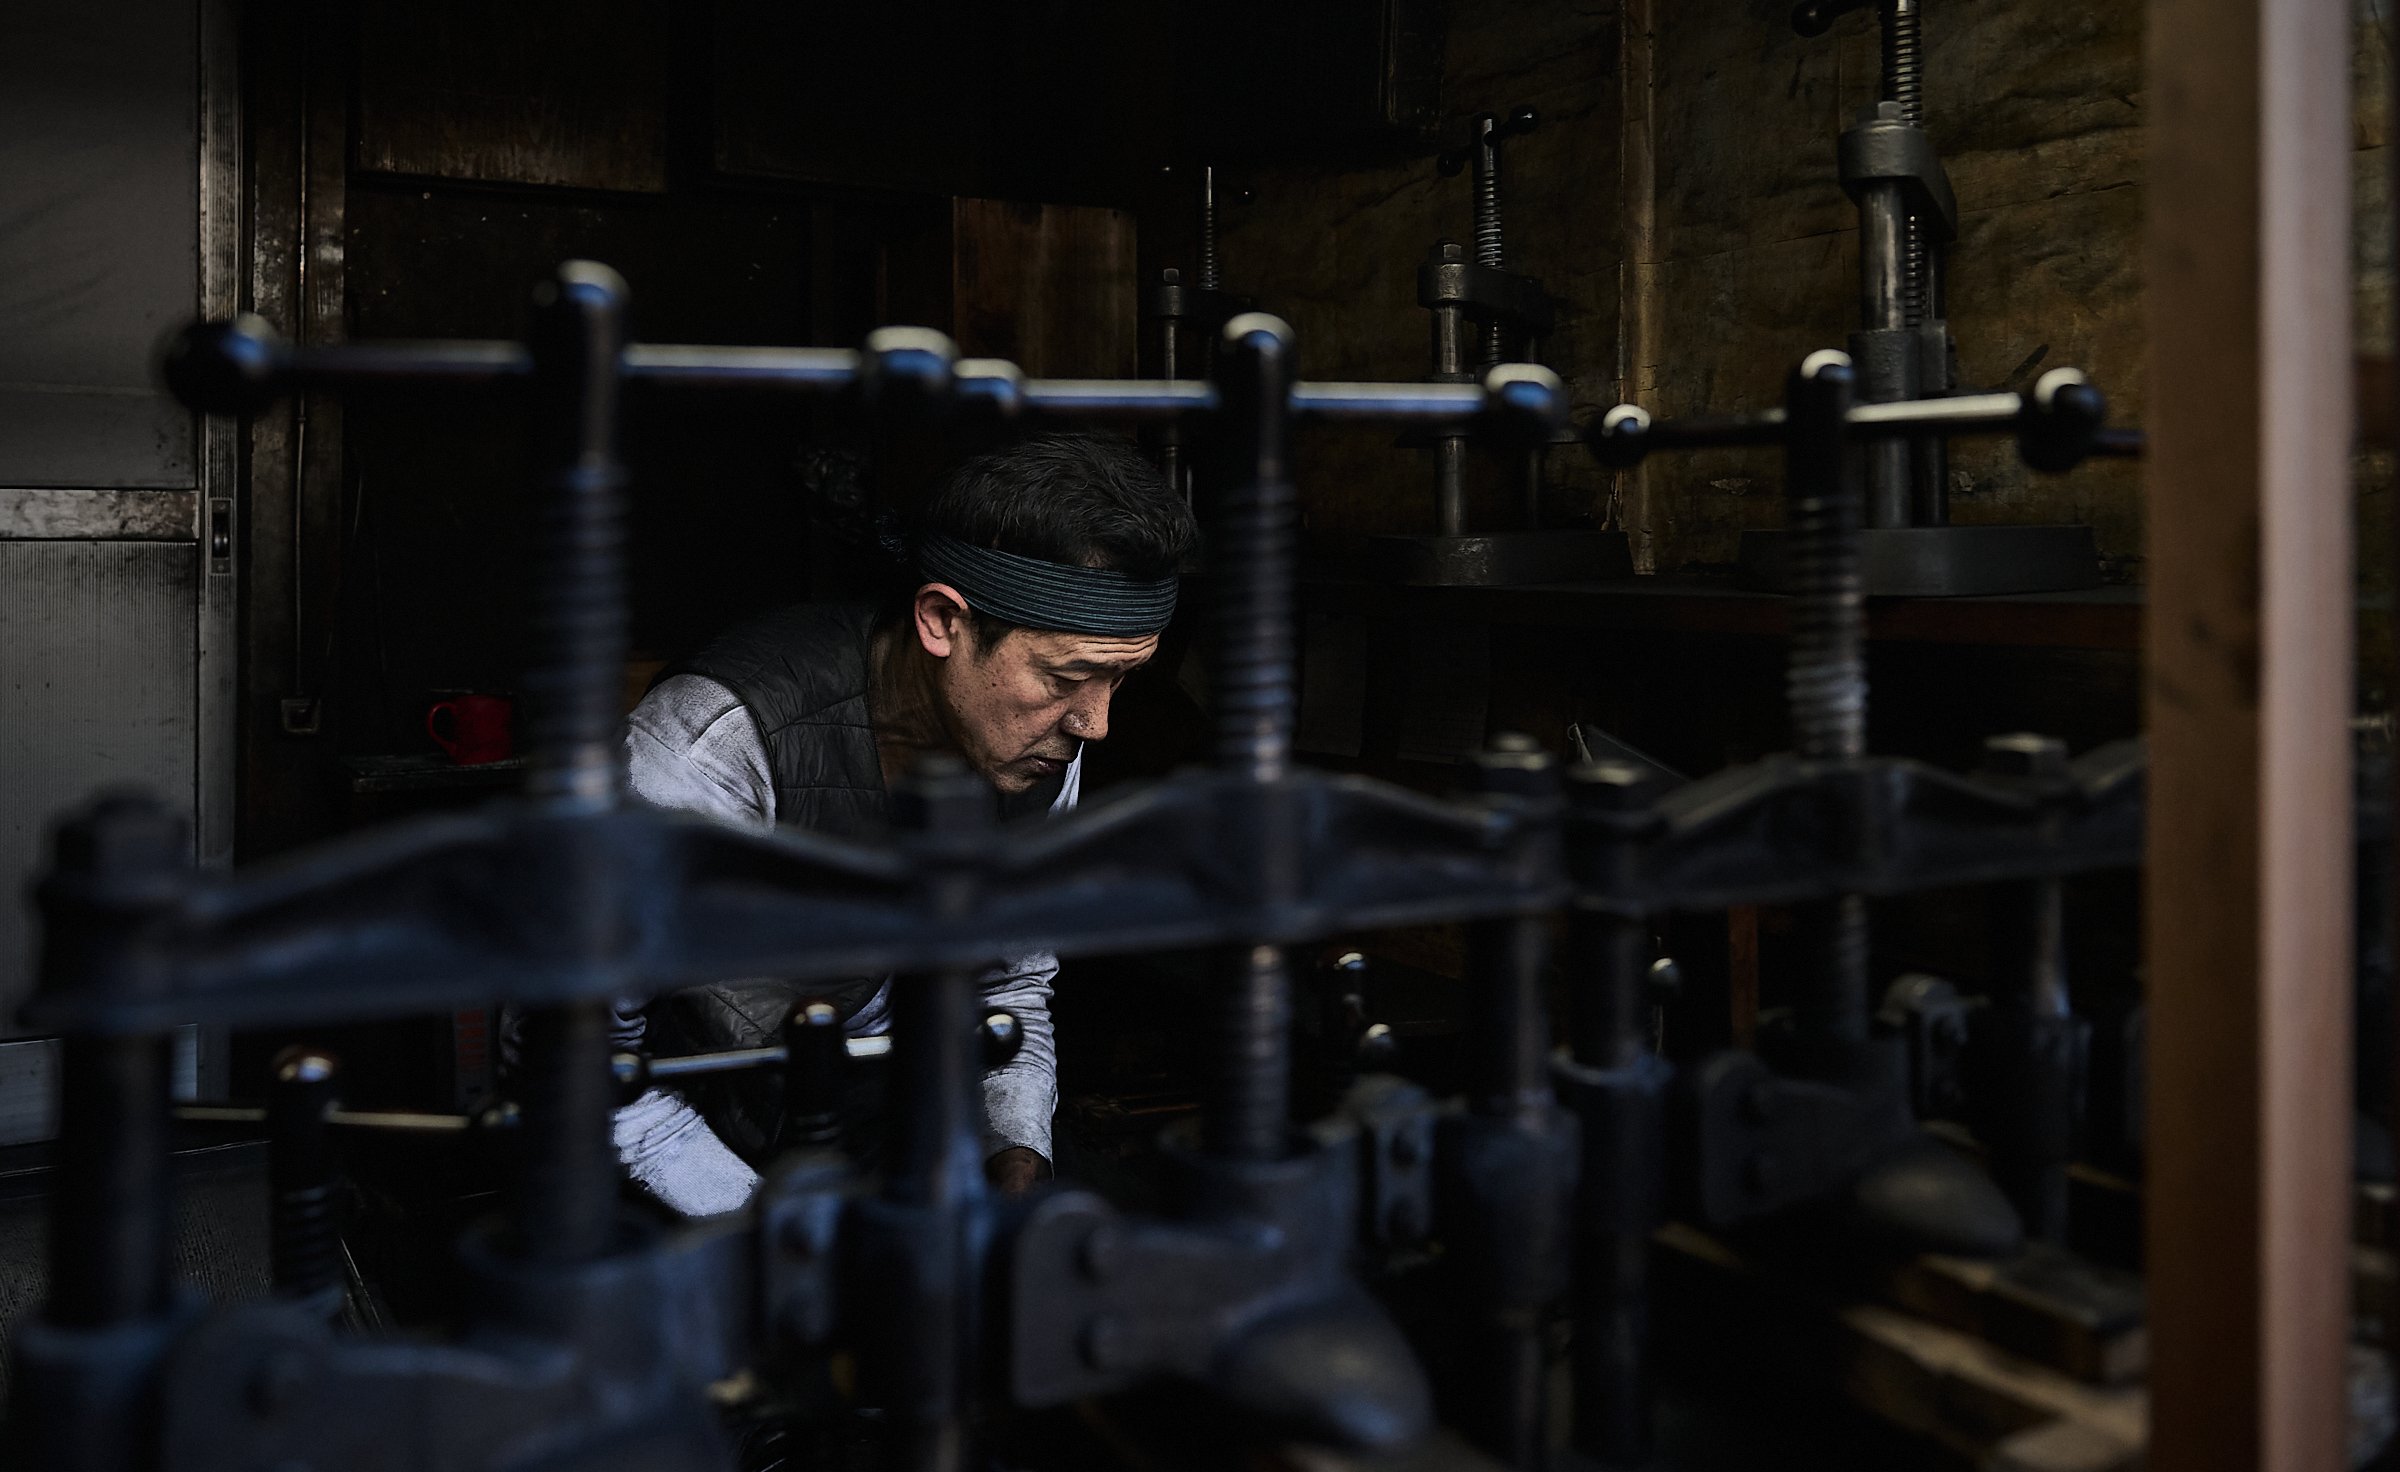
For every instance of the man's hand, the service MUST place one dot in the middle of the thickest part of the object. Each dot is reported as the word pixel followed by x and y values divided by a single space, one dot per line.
pixel 1017 1169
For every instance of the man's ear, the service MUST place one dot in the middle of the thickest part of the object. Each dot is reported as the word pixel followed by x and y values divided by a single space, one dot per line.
pixel 941 619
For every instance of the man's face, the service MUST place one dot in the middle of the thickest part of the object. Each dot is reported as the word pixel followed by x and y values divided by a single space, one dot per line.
pixel 1022 706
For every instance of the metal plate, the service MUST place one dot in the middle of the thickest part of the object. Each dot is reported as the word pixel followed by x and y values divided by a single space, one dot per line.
pixel 97 687
pixel 1948 561
pixel 1497 560
pixel 99 120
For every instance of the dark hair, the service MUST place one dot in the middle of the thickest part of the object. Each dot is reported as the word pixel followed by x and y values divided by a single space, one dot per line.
pixel 1079 499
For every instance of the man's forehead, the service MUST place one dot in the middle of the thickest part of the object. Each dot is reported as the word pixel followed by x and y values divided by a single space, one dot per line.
pixel 1054 647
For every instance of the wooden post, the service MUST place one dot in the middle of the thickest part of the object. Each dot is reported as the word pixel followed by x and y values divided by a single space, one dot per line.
pixel 2250 646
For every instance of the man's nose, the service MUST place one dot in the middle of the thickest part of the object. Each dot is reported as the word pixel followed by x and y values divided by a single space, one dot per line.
pixel 1087 717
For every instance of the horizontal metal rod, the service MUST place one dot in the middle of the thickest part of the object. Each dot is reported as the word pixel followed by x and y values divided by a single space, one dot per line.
pixel 463 363
pixel 1962 412
pixel 827 370
pixel 1116 397
pixel 631 1067
pixel 1435 401
pixel 359 1119
pixel 710 367
pixel 1627 432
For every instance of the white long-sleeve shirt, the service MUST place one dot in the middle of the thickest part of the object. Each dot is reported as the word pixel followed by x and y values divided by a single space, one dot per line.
pixel 692 745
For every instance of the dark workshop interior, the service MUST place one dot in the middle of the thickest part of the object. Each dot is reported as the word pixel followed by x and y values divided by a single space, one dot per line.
pixel 1702 704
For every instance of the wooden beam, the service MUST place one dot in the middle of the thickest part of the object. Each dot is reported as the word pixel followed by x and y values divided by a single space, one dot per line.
pixel 2249 644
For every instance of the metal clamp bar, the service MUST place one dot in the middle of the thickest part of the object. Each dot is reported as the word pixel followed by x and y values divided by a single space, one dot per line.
pixel 2059 424
pixel 241 365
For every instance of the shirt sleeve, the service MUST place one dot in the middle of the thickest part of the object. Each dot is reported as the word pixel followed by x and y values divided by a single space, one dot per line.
pixel 691 745
pixel 1021 1096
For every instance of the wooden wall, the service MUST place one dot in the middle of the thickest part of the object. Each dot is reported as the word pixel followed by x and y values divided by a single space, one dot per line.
pixel 2036 106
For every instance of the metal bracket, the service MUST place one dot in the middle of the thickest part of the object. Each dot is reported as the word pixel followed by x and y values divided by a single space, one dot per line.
pixel 1880 149
pixel 1488 292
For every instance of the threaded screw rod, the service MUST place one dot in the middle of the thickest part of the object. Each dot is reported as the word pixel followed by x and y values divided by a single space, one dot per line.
pixel 576 678
pixel 1904 83
pixel 1825 680
pixel 304 1242
pixel 1208 227
pixel 112 1215
pixel 1254 525
pixel 565 1200
pixel 1489 250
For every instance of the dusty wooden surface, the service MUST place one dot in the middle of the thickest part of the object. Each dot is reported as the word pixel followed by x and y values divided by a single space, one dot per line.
pixel 2039 111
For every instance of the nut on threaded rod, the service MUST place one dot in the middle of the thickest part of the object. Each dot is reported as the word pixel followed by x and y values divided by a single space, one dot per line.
pixel 1485 134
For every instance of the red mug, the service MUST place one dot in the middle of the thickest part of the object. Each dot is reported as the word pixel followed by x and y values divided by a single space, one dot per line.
pixel 473 729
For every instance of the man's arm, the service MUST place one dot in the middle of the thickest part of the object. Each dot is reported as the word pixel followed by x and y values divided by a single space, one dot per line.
pixel 690 745
pixel 1021 1095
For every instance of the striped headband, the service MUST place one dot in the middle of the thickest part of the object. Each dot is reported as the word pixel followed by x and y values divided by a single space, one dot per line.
pixel 1035 594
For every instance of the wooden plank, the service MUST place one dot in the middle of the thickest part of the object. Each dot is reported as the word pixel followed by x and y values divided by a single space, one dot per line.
pixel 1980 1404
pixel 2249 648
pixel 535 92
pixel 1047 286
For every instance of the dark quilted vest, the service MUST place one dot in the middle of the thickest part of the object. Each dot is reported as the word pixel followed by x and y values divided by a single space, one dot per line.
pixel 802 673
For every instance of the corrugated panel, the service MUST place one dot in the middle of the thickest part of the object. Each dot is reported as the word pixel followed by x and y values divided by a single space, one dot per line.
pixel 99 237
pixel 97 688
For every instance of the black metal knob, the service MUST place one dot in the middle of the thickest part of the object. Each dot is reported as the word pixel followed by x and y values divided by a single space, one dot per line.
pixel 2061 423
pixel 1620 438
pixel 1524 404
pixel 814 1060
pixel 1002 1036
pixel 235 367
pixel 2025 755
pixel 904 370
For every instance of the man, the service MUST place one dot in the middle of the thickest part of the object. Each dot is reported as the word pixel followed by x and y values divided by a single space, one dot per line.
pixel 1045 575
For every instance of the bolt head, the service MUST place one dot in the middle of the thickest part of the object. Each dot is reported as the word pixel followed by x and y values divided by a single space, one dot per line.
pixel 1513 765
pixel 1449 251
pixel 2023 754
pixel 1610 786
pixel 1170 277
pixel 304 1065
